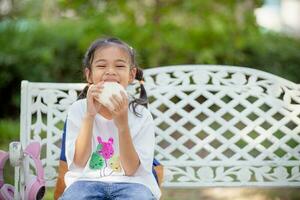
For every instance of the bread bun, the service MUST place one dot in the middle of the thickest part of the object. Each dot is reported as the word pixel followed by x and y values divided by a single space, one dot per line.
pixel 109 89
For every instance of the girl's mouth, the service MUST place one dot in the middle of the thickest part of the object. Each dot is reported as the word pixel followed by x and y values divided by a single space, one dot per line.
pixel 111 80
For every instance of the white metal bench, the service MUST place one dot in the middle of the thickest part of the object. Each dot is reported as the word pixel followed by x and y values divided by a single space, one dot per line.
pixel 215 125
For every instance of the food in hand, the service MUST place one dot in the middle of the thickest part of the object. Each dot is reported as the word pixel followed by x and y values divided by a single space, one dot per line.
pixel 109 89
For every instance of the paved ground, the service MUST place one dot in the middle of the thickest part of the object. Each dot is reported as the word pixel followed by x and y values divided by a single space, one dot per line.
pixel 232 194
pixel 223 194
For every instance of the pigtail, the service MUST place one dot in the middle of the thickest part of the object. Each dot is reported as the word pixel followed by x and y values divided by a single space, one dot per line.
pixel 143 94
pixel 83 93
pixel 143 99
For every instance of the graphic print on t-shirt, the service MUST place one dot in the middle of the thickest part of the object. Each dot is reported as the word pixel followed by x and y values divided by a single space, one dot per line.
pixel 103 158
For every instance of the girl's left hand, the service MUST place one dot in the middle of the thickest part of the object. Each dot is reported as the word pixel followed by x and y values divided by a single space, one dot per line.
pixel 119 110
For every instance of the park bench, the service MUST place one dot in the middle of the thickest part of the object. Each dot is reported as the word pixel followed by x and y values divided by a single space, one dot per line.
pixel 215 125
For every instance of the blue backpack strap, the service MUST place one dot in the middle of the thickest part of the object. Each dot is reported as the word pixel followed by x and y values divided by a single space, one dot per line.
pixel 154 174
pixel 63 144
pixel 155 163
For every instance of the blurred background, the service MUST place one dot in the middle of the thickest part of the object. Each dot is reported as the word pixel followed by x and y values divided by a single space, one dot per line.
pixel 45 40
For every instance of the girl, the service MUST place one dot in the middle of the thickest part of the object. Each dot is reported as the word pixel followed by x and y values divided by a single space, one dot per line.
pixel 109 148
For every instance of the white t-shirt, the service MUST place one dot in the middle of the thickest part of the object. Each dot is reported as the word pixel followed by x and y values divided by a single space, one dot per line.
pixel 104 164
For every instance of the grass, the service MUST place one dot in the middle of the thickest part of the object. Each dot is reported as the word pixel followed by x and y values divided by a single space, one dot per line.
pixel 49 194
pixel 9 131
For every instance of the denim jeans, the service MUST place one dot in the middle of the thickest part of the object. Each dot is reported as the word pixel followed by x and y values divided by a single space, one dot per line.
pixel 92 190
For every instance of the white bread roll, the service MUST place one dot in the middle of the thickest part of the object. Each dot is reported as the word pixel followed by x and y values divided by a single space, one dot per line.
pixel 109 89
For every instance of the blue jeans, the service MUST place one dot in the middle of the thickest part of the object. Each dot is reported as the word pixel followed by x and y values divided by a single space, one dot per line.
pixel 92 190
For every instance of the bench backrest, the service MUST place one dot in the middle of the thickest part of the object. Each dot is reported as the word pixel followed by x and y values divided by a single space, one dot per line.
pixel 215 125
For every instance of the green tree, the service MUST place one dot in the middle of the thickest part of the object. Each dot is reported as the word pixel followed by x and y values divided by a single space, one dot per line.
pixel 46 40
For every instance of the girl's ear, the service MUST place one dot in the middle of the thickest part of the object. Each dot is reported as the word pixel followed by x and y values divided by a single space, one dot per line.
pixel 132 74
pixel 88 75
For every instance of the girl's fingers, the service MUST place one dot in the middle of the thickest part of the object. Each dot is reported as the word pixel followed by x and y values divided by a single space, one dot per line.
pixel 97 98
pixel 118 99
pixel 95 90
pixel 119 103
pixel 121 99
pixel 110 107
pixel 100 84
pixel 96 87
pixel 124 97
pixel 115 100
pixel 91 89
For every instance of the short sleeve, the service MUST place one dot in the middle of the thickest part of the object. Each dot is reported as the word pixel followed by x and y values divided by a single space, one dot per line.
pixel 74 120
pixel 144 142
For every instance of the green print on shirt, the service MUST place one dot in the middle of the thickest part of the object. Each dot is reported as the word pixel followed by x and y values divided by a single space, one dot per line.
pixel 97 161
pixel 103 153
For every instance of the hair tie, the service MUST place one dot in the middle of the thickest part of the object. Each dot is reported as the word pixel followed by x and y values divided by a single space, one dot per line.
pixel 142 82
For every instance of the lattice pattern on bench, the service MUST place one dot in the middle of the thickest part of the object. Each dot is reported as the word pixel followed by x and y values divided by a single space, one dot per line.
pixel 216 126
pixel 225 126
pixel 43 112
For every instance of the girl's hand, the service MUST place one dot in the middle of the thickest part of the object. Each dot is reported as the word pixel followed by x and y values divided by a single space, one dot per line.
pixel 93 105
pixel 119 110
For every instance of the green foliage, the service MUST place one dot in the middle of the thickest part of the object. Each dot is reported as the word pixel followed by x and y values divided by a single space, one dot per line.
pixel 162 32
pixel 9 131
pixel 33 51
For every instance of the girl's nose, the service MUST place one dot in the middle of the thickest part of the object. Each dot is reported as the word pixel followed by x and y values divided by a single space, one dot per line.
pixel 110 70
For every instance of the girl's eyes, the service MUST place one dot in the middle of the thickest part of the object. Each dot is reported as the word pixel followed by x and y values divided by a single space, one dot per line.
pixel 103 66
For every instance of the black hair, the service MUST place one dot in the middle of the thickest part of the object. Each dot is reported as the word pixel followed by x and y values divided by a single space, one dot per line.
pixel 89 57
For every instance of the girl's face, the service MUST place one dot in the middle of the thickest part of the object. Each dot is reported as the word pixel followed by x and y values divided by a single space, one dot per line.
pixel 111 63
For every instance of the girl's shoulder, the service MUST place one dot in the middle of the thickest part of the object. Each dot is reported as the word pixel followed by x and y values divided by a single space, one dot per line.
pixel 79 103
pixel 78 106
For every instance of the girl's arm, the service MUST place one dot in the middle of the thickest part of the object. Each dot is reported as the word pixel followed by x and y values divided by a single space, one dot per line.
pixel 83 144
pixel 128 155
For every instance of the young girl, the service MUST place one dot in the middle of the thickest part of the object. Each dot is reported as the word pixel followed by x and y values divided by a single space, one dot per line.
pixel 110 148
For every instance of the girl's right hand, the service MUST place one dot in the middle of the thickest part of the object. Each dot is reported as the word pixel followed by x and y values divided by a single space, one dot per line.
pixel 93 105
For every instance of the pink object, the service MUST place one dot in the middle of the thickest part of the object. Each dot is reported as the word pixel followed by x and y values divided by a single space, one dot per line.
pixel 107 149
pixel 35 185
pixel 6 190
